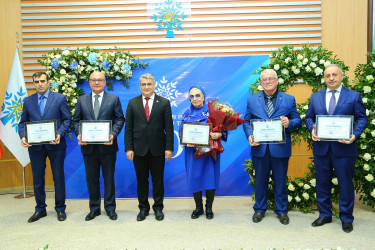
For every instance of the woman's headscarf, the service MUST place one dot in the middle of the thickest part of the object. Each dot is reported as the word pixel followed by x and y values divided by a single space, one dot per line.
pixel 204 107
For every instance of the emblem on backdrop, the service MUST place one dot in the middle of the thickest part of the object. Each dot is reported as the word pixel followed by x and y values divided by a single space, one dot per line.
pixel 169 15
pixel 167 90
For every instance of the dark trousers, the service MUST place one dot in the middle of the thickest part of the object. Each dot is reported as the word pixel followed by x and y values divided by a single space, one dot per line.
pixel 92 167
pixel 263 166
pixel 344 168
pixel 143 166
pixel 38 166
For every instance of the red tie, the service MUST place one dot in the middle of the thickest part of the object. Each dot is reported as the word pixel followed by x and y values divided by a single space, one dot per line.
pixel 147 109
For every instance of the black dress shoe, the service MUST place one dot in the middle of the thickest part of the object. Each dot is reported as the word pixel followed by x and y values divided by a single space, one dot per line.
pixel 347 227
pixel 257 217
pixel 61 216
pixel 112 215
pixel 283 218
pixel 209 213
pixel 197 212
pixel 92 215
pixel 142 215
pixel 159 215
pixel 37 215
pixel 321 221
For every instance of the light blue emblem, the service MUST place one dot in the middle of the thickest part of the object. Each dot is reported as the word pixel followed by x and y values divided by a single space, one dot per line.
pixel 11 109
pixel 169 16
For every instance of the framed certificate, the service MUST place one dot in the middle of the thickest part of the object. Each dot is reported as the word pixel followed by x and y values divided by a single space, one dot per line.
pixel 40 132
pixel 267 131
pixel 334 127
pixel 95 132
pixel 196 133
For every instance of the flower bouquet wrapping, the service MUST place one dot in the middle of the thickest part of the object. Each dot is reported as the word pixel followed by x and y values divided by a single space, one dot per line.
pixel 222 118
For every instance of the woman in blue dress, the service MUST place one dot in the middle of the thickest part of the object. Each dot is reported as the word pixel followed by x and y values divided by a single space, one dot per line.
pixel 203 174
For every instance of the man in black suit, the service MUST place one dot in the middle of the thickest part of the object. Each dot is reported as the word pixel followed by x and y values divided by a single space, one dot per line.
pixel 99 105
pixel 148 139
pixel 46 105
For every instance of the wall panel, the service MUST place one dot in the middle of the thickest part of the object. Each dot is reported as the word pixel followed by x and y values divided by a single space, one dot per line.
pixel 212 28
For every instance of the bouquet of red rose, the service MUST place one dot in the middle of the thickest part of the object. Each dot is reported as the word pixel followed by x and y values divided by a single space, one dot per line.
pixel 223 118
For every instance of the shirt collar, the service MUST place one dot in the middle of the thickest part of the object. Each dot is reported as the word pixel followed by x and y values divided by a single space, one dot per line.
pixel 45 94
pixel 100 94
pixel 151 97
pixel 272 96
pixel 338 90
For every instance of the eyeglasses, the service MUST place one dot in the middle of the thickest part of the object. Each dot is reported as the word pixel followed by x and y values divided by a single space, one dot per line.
pixel 268 79
pixel 149 84
pixel 196 96
pixel 97 80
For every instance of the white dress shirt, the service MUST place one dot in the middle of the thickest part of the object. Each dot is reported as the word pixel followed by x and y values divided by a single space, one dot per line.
pixel 150 101
pixel 329 95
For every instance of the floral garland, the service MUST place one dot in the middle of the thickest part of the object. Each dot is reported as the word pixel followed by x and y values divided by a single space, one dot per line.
pixel 293 65
pixel 365 165
pixel 66 68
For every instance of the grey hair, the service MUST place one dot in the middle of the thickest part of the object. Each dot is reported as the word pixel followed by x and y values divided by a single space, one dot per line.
pixel 147 76
pixel 269 70
pixel 331 65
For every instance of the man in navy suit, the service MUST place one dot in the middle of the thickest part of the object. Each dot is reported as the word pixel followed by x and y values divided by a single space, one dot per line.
pixel 99 105
pixel 338 155
pixel 46 105
pixel 149 138
pixel 271 104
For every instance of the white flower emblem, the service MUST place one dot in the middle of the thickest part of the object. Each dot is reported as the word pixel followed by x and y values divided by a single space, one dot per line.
pixel 167 90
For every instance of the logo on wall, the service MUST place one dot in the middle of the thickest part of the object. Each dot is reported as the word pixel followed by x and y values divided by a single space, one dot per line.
pixel 168 91
pixel 169 16
pixel 12 108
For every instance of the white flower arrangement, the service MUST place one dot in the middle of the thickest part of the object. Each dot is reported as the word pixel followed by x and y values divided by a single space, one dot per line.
pixel 293 65
pixel 66 68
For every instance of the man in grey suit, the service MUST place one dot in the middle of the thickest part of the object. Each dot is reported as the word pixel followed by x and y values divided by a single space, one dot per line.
pixel 148 139
pixel 100 105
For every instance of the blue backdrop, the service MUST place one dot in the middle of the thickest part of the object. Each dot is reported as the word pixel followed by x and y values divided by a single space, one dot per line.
pixel 226 78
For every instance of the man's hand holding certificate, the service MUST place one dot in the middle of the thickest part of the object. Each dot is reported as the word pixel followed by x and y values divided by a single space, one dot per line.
pixel 268 131
pixel 333 128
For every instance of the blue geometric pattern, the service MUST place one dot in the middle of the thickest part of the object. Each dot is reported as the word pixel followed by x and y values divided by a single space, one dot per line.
pixel 12 108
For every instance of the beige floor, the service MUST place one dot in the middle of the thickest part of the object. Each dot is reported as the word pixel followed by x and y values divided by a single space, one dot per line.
pixel 231 228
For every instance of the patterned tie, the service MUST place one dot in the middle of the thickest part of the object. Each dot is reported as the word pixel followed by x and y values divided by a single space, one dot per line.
pixel 42 104
pixel 332 103
pixel 147 109
pixel 96 106
pixel 269 105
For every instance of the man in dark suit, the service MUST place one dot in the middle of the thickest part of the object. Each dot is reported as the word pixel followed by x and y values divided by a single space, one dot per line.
pixel 46 105
pixel 271 104
pixel 94 106
pixel 338 155
pixel 148 139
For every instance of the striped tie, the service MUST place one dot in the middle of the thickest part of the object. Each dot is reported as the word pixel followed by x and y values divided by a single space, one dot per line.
pixel 269 105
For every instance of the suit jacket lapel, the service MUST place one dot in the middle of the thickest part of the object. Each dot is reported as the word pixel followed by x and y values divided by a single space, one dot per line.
pixel 279 99
pixel 89 106
pixel 155 106
pixel 34 101
pixel 340 102
pixel 322 101
pixel 102 105
pixel 140 107
pixel 49 102
pixel 262 103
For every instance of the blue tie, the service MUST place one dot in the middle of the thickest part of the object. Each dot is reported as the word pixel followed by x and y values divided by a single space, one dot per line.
pixel 42 104
pixel 332 103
